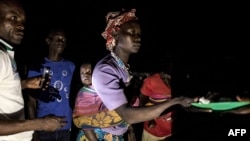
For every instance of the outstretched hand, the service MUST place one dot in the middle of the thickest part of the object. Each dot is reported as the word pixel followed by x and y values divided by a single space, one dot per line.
pixel 185 101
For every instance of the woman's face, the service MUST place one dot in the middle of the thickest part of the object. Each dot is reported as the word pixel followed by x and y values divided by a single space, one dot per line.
pixel 129 37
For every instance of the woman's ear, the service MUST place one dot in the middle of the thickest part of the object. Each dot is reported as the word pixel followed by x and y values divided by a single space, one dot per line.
pixel 115 38
pixel 115 35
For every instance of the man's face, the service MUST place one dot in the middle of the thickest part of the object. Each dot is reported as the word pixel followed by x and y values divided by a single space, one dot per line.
pixel 57 42
pixel 12 18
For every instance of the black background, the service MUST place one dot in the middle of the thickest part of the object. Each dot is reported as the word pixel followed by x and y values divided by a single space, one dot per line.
pixel 207 40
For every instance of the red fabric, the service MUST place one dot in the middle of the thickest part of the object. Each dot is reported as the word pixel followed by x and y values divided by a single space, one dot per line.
pixel 155 88
pixel 163 126
pixel 114 20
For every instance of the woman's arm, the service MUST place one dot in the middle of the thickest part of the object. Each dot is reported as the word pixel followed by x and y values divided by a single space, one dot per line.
pixel 140 114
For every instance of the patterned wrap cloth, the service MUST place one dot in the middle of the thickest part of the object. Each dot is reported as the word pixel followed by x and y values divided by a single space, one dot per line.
pixel 114 20
pixel 98 116
pixel 101 136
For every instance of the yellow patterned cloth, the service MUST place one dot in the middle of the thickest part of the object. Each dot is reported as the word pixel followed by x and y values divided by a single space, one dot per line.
pixel 89 111
pixel 102 120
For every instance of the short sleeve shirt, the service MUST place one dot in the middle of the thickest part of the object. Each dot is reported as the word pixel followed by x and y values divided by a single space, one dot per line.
pixel 109 82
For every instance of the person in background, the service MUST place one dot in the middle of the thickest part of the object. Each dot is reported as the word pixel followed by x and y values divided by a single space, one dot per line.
pixel 88 103
pixel 242 96
pixel 89 109
pixel 157 89
pixel 13 124
pixel 85 94
pixel 111 74
pixel 55 99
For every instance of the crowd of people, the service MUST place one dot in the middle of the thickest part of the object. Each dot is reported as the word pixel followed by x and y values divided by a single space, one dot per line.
pixel 111 100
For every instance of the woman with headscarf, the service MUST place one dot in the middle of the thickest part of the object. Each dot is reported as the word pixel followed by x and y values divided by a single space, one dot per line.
pixel 111 74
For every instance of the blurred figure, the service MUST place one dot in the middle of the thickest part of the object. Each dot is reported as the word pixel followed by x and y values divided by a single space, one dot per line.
pixel 156 89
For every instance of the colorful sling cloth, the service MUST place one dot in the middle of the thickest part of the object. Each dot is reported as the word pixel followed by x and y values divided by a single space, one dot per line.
pixel 90 112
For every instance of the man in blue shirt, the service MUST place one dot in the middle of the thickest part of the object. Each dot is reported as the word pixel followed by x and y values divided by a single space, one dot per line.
pixel 55 99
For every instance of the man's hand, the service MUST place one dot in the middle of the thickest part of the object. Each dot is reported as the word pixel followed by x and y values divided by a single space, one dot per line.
pixel 242 99
pixel 52 123
pixel 34 83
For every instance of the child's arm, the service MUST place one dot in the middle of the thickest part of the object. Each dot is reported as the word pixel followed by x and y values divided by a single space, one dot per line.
pixel 90 135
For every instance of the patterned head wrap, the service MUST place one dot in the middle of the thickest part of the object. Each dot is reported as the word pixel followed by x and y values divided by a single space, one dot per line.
pixel 114 20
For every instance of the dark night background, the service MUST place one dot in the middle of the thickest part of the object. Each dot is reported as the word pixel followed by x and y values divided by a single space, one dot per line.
pixel 207 40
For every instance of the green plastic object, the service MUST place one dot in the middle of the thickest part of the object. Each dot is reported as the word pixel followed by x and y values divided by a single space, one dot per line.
pixel 221 106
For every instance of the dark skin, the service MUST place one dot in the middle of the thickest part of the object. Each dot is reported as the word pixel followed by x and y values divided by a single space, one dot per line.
pixel 90 134
pixel 56 42
pixel 127 43
pixel 34 83
pixel 86 74
pixel 241 111
pixel 86 79
pixel 12 18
